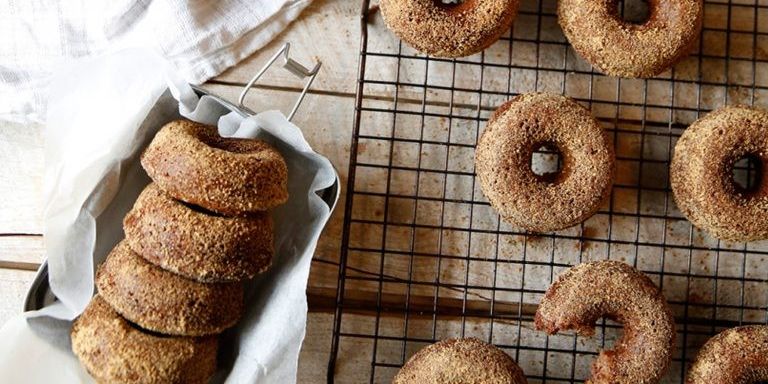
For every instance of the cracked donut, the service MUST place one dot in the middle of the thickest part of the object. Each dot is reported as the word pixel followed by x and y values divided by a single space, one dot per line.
pixel 164 302
pixel 192 163
pixel 542 203
pixel 617 291
pixel 116 351
pixel 624 49
pixel 735 356
pixel 196 244
pixel 702 179
pixel 443 29
pixel 460 361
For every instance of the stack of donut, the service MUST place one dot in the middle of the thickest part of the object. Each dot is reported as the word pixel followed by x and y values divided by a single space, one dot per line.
pixel 193 236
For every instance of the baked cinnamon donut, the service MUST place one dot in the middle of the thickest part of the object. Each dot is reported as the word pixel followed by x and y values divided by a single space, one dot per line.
pixel 198 244
pixel 164 302
pixel 192 163
pixel 460 361
pixel 554 201
pixel 444 29
pixel 116 351
pixel 615 290
pixel 702 179
pixel 624 49
pixel 735 356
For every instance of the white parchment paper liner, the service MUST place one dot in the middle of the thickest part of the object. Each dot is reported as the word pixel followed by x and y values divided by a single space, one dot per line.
pixel 102 113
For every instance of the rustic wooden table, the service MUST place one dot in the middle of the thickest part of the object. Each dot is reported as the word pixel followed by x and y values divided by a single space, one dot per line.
pixel 652 113
pixel 328 30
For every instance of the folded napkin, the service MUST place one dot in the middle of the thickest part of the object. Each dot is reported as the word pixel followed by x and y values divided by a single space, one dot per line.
pixel 201 38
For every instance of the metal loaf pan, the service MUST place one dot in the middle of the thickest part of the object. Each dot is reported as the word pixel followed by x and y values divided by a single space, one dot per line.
pixel 40 294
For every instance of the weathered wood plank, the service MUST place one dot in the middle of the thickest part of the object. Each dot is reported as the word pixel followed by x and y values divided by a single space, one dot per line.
pixel 328 30
pixel 313 359
pixel 21 252
pixel 21 176
pixel 13 288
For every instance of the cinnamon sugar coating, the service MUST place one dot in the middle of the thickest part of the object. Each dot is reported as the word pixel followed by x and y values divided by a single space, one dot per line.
pixel 163 301
pixel 503 162
pixel 585 293
pixel 192 163
pixel 449 30
pixel 196 244
pixel 735 356
pixel 624 49
pixel 115 351
pixel 466 361
pixel 701 173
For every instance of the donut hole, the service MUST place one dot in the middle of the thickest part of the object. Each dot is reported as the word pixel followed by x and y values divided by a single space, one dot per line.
pixel 449 3
pixel 636 12
pixel 453 5
pixel 546 162
pixel 746 174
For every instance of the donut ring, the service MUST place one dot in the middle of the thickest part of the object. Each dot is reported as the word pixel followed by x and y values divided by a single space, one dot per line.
pixel 195 244
pixel 192 163
pixel 619 292
pixel 624 49
pixel 449 30
pixel 735 356
pixel 460 361
pixel 544 203
pixel 115 351
pixel 161 301
pixel 701 173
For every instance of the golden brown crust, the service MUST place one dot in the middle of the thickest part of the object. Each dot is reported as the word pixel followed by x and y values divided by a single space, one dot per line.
pixel 504 153
pixel 115 351
pixel 619 292
pixel 466 361
pixel 701 173
pixel 620 48
pixel 197 244
pixel 192 163
pixel 164 302
pixel 449 30
pixel 735 356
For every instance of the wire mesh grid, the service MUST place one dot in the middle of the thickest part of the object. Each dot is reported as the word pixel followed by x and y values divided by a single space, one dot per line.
pixel 425 257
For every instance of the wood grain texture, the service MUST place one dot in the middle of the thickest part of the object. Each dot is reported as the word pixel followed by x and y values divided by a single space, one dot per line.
pixel 13 289
pixel 21 175
pixel 327 30
pixel 313 359
pixel 21 252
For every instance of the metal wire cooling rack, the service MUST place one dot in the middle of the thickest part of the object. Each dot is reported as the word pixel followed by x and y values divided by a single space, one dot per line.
pixel 424 257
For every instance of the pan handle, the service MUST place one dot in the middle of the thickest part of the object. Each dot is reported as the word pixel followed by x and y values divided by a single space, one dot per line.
pixel 292 66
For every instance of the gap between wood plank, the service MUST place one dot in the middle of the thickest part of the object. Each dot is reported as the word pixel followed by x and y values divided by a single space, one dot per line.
pixel 280 88
pixel 411 101
pixel 18 265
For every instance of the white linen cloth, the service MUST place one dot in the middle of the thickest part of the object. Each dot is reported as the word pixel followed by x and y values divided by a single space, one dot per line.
pixel 201 38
